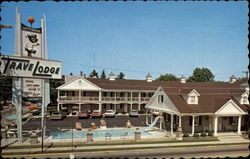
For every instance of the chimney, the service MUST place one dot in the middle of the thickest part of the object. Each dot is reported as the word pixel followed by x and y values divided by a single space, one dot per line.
pixel 149 78
pixel 81 73
pixel 183 79
pixel 111 76
pixel 232 79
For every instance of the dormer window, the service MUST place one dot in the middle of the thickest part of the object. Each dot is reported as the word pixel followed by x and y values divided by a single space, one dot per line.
pixel 244 98
pixel 160 98
pixel 193 97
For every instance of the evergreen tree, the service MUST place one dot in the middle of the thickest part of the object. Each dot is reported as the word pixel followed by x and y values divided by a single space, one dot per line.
pixel 103 75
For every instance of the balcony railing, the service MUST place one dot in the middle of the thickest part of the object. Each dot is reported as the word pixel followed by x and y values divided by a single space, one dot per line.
pixel 127 99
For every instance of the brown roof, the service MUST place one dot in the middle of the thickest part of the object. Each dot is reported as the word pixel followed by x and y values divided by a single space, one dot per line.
pixel 126 84
pixel 213 95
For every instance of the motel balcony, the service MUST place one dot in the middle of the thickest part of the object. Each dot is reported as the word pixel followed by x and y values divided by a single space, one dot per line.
pixel 104 99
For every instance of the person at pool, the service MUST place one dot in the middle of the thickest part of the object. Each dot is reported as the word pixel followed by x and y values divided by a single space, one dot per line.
pixel 102 122
pixel 128 124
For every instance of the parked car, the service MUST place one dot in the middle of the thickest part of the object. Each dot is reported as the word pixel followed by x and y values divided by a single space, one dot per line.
pixel 96 114
pixel 134 113
pixel 109 113
pixel 74 113
pixel 83 114
pixel 57 115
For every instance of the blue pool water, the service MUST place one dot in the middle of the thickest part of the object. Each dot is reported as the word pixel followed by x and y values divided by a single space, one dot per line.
pixel 11 117
pixel 96 133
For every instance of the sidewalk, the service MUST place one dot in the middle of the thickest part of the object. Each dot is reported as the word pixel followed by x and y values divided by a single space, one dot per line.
pixel 51 147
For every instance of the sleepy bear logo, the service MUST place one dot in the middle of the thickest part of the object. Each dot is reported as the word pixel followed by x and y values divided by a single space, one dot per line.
pixel 33 41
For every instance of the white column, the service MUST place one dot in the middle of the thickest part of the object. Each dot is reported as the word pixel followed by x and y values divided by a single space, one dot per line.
pixel 100 99
pixel 79 95
pixel 131 95
pixel 147 117
pixel 180 121
pixel 160 123
pixel 172 126
pixel 239 125
pixel 139 96
pixel 193 125
pixel 58 107
pixel 151 117
pixel 80 107
pixel 215 125
pixel 58 95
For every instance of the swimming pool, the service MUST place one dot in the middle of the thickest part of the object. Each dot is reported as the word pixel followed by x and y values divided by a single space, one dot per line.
pixel 96 133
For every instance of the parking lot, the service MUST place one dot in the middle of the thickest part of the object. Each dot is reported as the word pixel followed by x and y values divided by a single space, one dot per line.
pixel 69 122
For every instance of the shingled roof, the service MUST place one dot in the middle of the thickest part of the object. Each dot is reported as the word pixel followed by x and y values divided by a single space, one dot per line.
pixel 126 84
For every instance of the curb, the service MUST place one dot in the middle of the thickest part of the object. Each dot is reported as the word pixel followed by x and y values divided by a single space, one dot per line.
pixel 125 147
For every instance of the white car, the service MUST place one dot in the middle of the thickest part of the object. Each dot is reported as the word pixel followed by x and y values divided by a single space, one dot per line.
pixel 134 113
pixel 109 113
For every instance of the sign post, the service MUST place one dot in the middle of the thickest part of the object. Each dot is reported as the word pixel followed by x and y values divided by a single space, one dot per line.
pixel 30 69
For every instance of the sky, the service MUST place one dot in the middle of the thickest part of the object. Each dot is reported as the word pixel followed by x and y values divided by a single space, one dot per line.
pixel 138 38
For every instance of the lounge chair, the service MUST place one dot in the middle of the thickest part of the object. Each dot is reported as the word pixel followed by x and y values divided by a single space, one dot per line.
pixel 107 136
pixel 124 135
pixel 78 125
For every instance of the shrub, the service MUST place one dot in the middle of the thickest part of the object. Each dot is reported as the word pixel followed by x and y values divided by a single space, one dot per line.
pixel 196 135
pixel 203 134
pixel 210 133
pixel 185 135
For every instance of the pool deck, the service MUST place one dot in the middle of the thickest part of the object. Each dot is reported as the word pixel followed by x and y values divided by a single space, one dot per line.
pixel 61 145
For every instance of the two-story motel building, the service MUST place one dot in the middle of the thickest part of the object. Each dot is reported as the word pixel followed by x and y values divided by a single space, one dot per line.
pixel 194 106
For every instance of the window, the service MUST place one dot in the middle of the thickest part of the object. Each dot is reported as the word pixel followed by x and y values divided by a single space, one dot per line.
pixel 160 98
pixel 232 120
pixel 244 99
pixel 192 99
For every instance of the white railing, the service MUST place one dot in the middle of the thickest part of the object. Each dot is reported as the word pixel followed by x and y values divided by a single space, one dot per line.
pixel 127 99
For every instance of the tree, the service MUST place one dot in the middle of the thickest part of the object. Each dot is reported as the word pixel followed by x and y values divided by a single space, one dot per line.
pixel 94 74
pixel 120 76
pixel 5 90
pixel 201 75
pixel 103 75
pixel 168 77
pixel 54 83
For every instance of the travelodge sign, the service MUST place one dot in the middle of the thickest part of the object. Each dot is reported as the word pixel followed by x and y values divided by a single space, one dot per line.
pixel 13 66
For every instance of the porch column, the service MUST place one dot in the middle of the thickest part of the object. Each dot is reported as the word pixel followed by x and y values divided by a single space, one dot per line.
pixel 172 126
pixel 131 95
pixel 180 121
pixel 100 99
pixel 58 107
pixel 239 125
pixel 147 117
pixel 115 102
pixel 80 108
pixel 215 125
pixel 160 123
pixel 139 96
pixel 58 95
pixel 151 117
pixel 79 95
pixel 193 125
